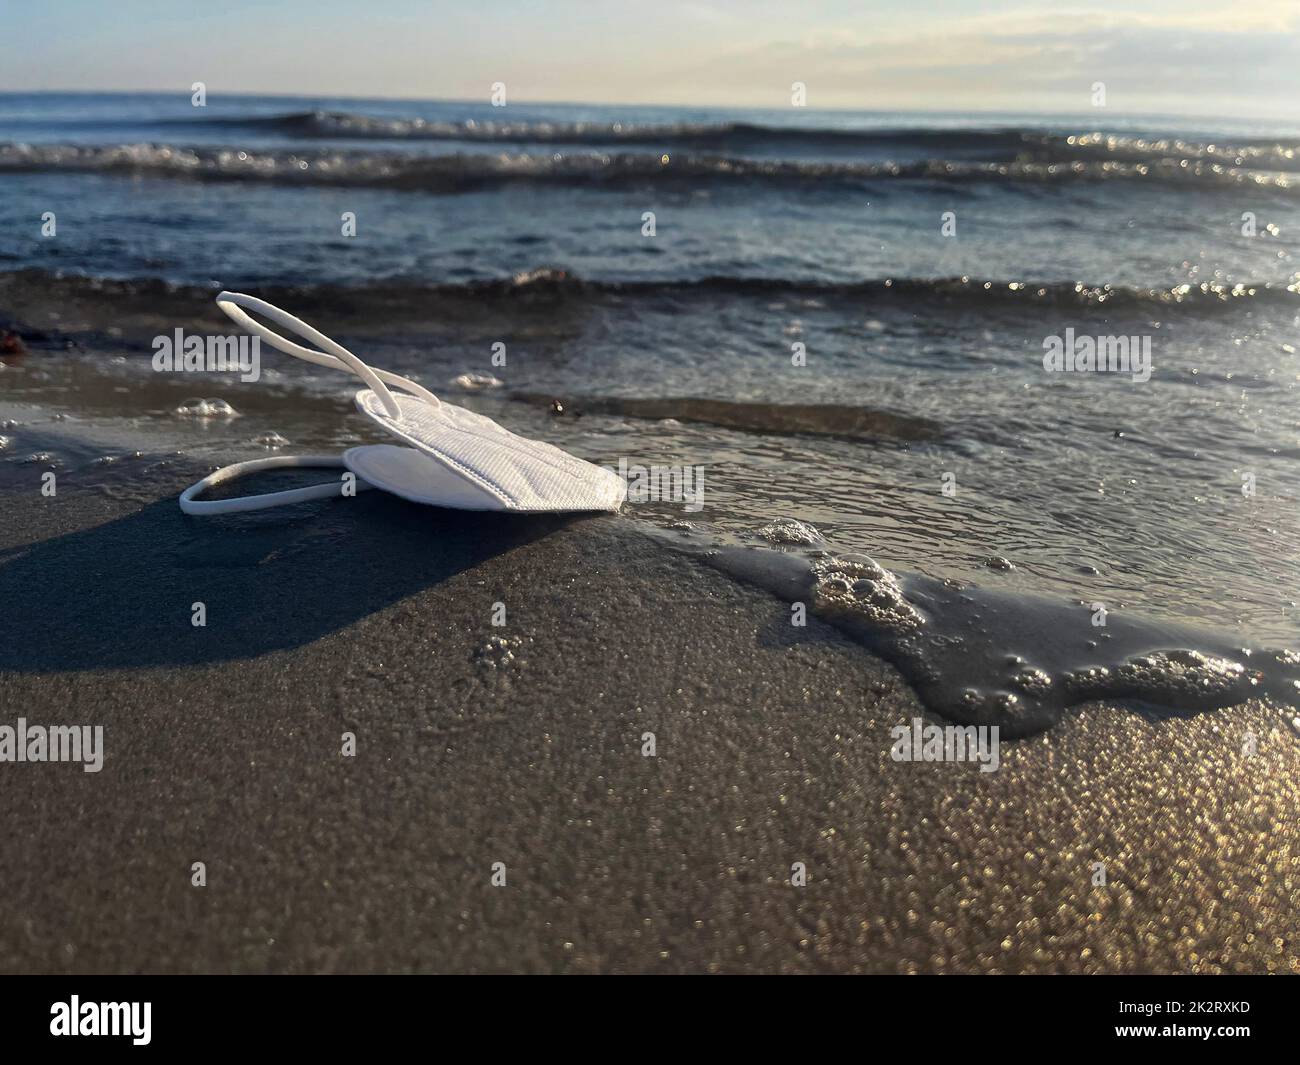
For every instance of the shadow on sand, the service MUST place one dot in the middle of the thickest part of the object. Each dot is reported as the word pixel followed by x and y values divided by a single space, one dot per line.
pixel 121 594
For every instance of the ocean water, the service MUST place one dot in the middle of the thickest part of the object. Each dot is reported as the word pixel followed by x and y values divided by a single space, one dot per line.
pixel 841 318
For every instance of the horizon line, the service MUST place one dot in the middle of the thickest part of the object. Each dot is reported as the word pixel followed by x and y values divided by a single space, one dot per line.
pixel 591 103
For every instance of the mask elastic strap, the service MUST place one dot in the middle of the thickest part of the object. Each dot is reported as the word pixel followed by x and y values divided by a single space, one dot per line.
pixel 190 505
pixel 335 356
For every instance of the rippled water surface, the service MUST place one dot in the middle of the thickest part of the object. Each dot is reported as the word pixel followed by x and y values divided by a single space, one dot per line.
pixel 839 318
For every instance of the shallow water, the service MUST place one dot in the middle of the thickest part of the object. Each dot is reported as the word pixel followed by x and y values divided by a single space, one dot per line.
pixel 985 657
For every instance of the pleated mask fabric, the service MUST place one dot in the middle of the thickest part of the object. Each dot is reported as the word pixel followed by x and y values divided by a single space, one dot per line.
pixel 447 456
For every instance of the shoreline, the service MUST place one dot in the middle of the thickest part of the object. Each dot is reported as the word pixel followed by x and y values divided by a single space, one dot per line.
pixel 523 745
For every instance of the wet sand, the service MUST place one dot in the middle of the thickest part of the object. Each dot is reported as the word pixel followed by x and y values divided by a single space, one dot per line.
pixel 373 616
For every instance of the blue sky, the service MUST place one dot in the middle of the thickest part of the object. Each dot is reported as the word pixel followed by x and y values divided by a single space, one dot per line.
pixel 1190 56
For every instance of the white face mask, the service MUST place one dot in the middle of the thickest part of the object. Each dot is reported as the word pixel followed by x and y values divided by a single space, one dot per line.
pixel 453 458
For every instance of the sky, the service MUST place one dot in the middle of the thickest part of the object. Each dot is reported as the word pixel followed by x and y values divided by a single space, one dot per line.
pixel 1226 57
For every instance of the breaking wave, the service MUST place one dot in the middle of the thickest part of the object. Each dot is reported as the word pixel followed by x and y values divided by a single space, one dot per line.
pixel 1009 141
pixel 468 172
pixel 403 299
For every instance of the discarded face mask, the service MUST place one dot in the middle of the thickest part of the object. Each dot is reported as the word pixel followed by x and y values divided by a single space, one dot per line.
pixel 449 456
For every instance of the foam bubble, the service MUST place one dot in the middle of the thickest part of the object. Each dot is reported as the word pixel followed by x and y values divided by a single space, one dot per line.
pixel 855 589
pixel 206 408
pixel 475 382
pixel 790 531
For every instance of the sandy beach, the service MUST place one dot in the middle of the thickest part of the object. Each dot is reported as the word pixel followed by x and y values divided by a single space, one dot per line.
pixel 948 619
pixel 223 745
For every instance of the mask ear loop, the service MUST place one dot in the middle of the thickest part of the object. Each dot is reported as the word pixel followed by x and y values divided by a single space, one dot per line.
pixel 336 357
pixel 190 505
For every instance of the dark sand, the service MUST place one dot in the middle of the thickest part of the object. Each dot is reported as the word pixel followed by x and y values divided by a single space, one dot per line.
pixel 372 616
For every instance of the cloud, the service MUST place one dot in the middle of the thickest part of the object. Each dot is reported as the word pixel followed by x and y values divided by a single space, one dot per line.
pixel 1194 61
pixel 1184 56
